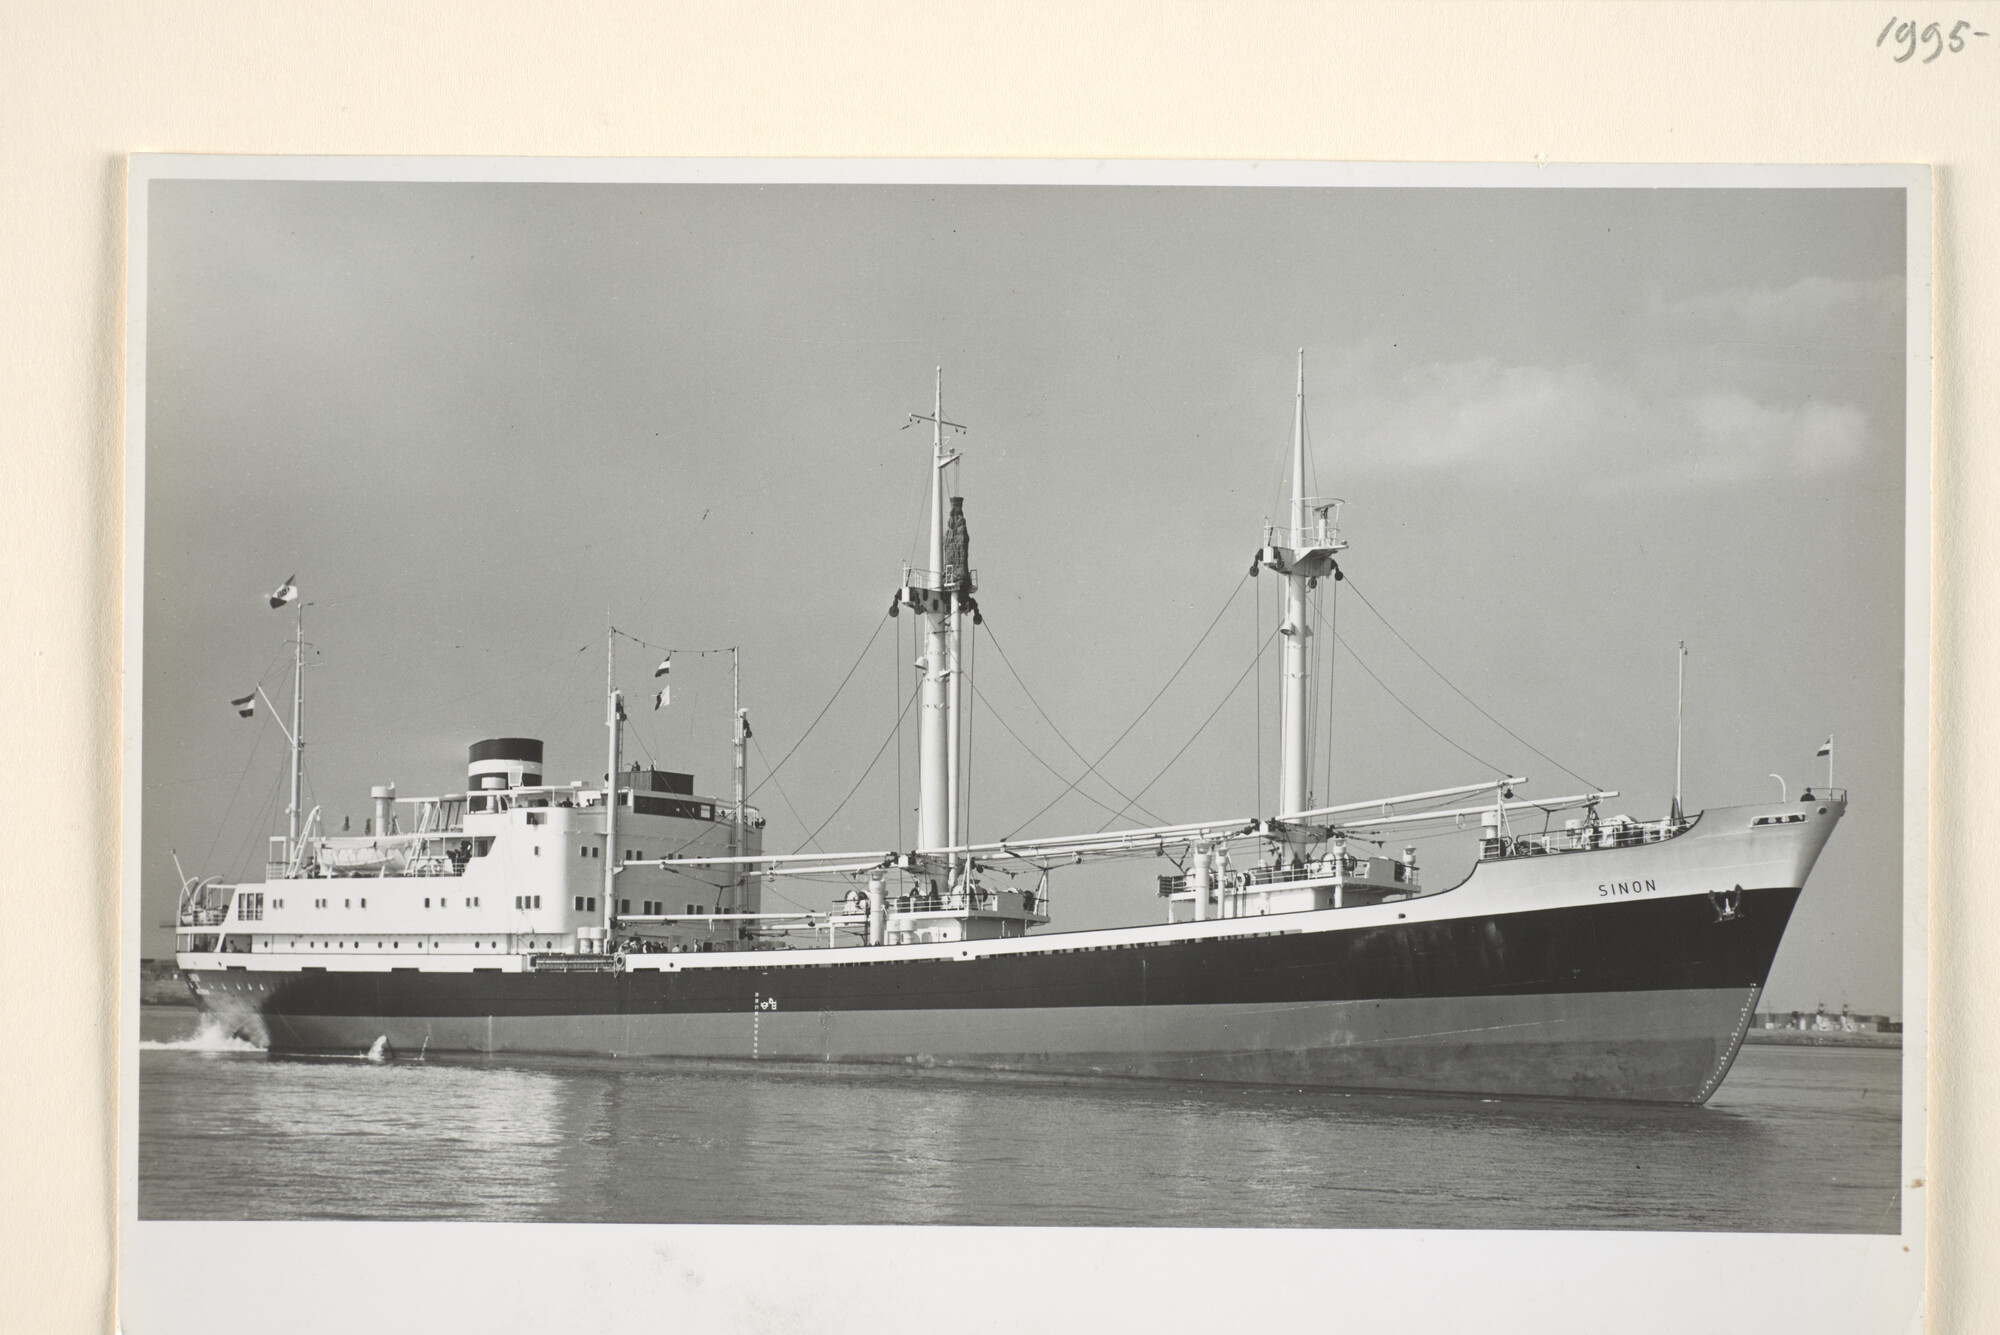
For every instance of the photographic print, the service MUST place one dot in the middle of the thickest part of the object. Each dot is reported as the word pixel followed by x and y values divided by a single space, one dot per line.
pixel 940 694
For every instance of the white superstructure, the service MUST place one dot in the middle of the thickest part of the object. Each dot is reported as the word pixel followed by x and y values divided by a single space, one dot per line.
pixel 510 869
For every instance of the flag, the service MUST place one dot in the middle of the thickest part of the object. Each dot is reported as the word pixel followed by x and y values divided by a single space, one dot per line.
pixel 247 705
pixel 663 698
pixel 620 701
pixel 666 666
pixel 1826 750
pixel 287 592
pixel 743 717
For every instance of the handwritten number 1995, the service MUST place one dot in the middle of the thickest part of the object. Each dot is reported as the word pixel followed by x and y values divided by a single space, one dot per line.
pixel 1908 34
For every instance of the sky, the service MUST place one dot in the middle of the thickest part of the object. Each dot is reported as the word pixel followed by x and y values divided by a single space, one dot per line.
pixel 480 422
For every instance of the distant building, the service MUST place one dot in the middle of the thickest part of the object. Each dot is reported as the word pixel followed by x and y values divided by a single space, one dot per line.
pixel 1825 1021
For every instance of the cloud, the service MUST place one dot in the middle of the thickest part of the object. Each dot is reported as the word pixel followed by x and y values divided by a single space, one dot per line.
pixel 1677 406
pixel 1810 311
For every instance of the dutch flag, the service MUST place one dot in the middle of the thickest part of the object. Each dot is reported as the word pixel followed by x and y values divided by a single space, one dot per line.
pixel 1825 750
pixel 288 592
pixel 666 666
pixel 247 705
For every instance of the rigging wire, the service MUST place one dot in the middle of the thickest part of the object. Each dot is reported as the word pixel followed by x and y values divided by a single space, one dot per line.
pixel 1234 687
pixel 896 694
pixel 483 567
pixel 216 838
pixel 640 738
pixel 556 708
pixel 1149 704
pixel 1001 649
pixel 894 732
pixel 255 742
pixel 1462 695
pixel 771 774
pixel 265 813
pixel 1412 712
pixel 963 834
pixel 1331 601
pixel 1257 638
pixel 1314 622
pixel 540 668
pixel 669 649
pixel 1038 759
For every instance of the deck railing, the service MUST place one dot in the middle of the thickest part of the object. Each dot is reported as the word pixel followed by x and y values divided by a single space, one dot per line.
pixel 1319 869
pixel 1626 834
pixel 957 901
pixel 931 579
pixel 575 963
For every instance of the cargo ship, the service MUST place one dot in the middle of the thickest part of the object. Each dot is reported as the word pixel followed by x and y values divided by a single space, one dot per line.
pixel 1601 958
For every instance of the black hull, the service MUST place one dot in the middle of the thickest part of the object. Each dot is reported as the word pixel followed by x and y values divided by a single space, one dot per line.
pixel 1642 999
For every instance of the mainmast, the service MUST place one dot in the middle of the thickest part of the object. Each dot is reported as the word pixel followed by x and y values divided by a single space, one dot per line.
pixel 1303 553
pixel 1297 633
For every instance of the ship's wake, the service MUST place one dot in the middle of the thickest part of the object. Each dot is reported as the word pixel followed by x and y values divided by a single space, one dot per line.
pixel 213 1035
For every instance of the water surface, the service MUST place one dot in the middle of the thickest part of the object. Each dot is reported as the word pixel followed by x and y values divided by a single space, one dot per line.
pixel 1796 1140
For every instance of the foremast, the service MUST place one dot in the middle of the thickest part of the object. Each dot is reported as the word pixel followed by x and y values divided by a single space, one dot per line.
pixel 943 596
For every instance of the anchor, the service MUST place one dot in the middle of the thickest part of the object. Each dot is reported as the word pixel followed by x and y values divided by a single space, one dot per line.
pixel 1728 904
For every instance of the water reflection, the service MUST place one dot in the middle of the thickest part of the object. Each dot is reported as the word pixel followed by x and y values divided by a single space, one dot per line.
pixel 1799 1140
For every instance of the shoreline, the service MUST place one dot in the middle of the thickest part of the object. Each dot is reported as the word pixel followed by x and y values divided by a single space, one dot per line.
pixel 1822 1038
